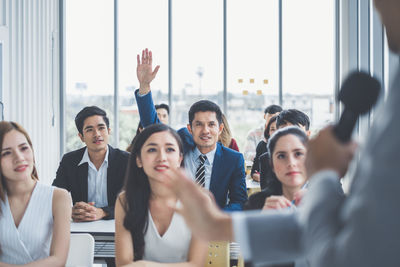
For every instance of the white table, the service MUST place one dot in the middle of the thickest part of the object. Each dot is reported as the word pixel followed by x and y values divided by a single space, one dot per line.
pixel 101 226
pixel 103 233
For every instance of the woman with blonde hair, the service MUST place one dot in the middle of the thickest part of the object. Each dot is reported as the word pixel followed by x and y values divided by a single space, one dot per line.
pixel 34 217
pixel 225 138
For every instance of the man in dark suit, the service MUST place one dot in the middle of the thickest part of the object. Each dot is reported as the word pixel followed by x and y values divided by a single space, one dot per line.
pixel 217 168
pixel 94 174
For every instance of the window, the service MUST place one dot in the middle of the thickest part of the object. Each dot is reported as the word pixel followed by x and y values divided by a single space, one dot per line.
pixel 1 83
pixel 136 31
pixel 197 55
pixel 197 59
pixel 252 60
pixel 89 61
pixel 308 64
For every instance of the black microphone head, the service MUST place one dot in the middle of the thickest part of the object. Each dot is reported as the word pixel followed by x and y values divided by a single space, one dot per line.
pixel 359 92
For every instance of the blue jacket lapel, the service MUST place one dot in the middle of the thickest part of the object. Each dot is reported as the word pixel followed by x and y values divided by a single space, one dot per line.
pixel 216 168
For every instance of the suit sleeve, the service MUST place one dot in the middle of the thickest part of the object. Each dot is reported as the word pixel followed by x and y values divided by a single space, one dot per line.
pixel 61 179
pixel 237 187
pixel 266 173
pixel 268 237
pixel 360 230
pixel 147 111
pixel 256 161
pixel 110 212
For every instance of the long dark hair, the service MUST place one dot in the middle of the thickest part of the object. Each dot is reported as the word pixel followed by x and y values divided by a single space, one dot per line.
pixel 137 189
pixel 274 185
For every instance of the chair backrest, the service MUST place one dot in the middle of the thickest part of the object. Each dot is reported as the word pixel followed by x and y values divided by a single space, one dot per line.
pixel 218 254
pixel 81 251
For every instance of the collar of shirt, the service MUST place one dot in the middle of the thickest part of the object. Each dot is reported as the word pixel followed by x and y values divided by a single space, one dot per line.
pixel 210 156
pixel 86 159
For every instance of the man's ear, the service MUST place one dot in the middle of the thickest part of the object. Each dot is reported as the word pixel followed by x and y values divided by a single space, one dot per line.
pixel 109 130
pixel 308 133
pixel 139 162
pixel 189 129
pixel 81 137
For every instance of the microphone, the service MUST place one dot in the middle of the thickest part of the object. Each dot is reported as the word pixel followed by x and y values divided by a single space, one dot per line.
pixel 359 94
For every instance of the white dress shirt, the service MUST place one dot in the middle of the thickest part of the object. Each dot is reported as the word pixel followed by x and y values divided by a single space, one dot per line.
pixel 192 162
pixel 97 181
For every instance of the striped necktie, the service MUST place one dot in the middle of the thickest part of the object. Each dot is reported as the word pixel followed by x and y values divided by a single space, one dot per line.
pixel 200 172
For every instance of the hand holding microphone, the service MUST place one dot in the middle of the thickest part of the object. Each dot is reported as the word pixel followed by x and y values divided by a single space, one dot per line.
pixel 332 148
pixel 359 94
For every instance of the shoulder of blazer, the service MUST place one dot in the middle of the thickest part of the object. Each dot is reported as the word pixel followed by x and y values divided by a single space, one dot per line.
pixel 74 157
pixel 226 152
pixel 187 139
pixel 118 156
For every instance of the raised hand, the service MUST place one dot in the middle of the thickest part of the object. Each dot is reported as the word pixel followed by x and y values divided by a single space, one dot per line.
pixel 325 152
pixel 145 72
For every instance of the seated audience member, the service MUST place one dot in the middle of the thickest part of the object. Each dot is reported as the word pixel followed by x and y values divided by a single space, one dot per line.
pixel 146 230
pixel 288 149
pixel 34 217
pixel 285 118
pixel 262 148
pixel 254 136
pixel 225 138
pixel 214 167
pixel 163 113
pixel 294 117
pixel 93 174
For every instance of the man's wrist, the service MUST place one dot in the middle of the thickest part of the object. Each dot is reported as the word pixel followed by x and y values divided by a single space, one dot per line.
pixel 144 89
pixel 103 213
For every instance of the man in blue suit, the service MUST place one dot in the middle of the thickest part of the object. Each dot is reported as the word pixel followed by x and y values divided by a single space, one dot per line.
pixel 217 168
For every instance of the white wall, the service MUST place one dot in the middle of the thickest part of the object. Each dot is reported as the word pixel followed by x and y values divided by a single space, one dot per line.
pixel 31 76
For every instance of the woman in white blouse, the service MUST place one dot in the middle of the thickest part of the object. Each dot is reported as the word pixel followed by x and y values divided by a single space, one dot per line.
pixel 147 231
pixel 34 218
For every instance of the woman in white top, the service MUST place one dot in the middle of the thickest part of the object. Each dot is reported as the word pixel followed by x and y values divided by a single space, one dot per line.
pixel 147 231
pixel 34 218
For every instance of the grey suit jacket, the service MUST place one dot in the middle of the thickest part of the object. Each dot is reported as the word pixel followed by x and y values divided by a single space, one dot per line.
pixel 331 230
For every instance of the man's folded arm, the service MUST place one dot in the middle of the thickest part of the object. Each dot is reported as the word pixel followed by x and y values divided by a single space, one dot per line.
pixel 109 210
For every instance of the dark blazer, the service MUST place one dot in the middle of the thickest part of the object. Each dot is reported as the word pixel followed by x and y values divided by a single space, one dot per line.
pixel 261 149
pixel 266 173
pixel 228 173
pixel 74 178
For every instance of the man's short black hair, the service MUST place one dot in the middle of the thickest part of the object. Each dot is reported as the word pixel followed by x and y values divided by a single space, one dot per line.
pixel 202 106
pixel 87 112
pixel 272 109
pixel 164 106
pixel 293 116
